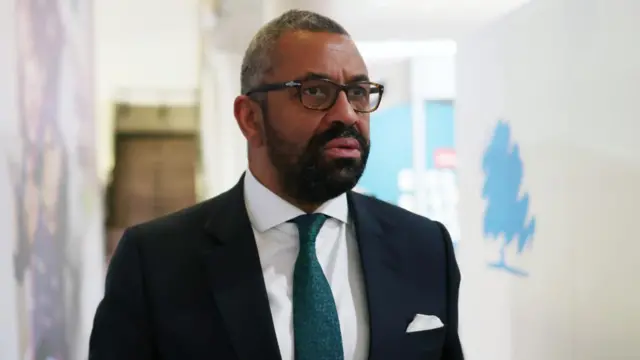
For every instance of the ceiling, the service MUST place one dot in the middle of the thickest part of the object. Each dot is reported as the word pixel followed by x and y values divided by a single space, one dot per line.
pixel 368 20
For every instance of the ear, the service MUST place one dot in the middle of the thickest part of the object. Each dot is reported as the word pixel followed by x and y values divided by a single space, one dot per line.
pixel 249 117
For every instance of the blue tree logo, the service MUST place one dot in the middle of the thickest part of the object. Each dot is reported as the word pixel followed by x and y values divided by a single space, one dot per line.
pixel 506 210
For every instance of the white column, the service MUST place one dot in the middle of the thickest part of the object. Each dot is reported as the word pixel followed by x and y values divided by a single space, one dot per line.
pixel 418 118
pixel 224 153
pixel 432 78
pixel 223 147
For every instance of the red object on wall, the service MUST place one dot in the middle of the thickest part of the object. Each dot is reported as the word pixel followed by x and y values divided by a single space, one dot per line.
pixel 445 158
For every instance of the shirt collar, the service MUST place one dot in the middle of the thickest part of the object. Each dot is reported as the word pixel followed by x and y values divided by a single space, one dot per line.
pixel 267 210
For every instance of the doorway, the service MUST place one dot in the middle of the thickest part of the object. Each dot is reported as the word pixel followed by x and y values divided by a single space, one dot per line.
pixel 155 174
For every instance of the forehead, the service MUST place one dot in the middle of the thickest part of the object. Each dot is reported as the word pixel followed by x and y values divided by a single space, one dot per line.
pixel 302 52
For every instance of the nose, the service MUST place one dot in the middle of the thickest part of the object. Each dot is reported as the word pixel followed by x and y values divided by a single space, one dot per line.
pixel 342 111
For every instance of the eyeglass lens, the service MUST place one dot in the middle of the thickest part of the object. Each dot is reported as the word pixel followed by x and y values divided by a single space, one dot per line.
pixel 320 95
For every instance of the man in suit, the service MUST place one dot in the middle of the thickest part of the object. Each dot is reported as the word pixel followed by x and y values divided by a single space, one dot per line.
pixel 289 263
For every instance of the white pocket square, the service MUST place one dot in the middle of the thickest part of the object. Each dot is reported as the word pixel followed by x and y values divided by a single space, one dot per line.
pixel 424 322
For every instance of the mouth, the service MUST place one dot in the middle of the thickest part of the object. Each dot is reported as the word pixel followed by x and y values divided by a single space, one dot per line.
pixel 343 148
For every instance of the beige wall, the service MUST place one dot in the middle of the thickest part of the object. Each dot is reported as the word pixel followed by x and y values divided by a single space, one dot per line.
pixel 147 52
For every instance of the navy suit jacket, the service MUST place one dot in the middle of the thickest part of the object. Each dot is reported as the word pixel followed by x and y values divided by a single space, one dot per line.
pixel 189 286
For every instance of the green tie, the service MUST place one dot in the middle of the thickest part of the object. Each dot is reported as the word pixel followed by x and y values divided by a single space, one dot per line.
pixel 316 326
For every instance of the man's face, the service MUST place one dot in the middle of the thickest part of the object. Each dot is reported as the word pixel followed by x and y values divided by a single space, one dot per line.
pixel 318 154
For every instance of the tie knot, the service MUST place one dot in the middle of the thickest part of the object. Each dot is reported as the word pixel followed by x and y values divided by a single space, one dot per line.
pixel 309 226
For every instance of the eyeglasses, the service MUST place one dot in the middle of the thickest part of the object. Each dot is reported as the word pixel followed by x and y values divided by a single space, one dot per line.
pixel 322 94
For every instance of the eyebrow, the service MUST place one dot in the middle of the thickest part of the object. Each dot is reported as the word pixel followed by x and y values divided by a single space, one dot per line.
pixel 322 76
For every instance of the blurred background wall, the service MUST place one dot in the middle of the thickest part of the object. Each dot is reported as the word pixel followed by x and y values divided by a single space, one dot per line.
pixel 511 121
pixel 52 213
pixel 549 167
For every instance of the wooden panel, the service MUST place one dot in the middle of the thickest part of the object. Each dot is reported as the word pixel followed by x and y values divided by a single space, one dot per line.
pixel 153 119
pixel 136 160
pixel 176 184
pixel 153 176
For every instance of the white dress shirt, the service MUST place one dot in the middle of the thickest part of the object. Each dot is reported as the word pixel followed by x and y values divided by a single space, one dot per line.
pixel 337 251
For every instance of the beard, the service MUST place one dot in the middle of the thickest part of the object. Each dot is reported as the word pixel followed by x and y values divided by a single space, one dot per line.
pixel 305 173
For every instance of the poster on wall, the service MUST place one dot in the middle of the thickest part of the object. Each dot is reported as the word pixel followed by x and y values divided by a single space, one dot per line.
pixel 390 174
pixel 440 182
pixel 391 154
pixel 55 191
pixel 391 131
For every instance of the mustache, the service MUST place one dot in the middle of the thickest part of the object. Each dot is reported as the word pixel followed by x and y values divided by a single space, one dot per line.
pixel 336 131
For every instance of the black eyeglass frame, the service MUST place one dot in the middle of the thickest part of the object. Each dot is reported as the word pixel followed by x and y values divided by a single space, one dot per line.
pixel 297 84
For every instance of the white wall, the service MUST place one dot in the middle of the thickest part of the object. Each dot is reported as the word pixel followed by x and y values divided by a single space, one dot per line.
pixel 147 50
pixel 367 20
pixel 395 74
pixel 430 64
pixel 564 75
pixel 224 150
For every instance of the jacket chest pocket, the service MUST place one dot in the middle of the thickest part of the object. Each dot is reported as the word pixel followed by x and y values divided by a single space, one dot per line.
pixel 425 344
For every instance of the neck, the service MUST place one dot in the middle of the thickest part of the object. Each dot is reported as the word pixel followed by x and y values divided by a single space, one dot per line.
pixel 269 179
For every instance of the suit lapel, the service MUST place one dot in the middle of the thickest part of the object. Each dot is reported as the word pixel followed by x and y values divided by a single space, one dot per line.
pixel 236 280
pixel 239 291
pixel 381 266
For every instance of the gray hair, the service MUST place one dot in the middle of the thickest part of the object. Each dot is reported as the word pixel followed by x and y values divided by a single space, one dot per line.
pixel 257 61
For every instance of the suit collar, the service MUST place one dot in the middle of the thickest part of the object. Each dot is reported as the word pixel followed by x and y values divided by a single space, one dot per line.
pixel 267 210
pixel 381 267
